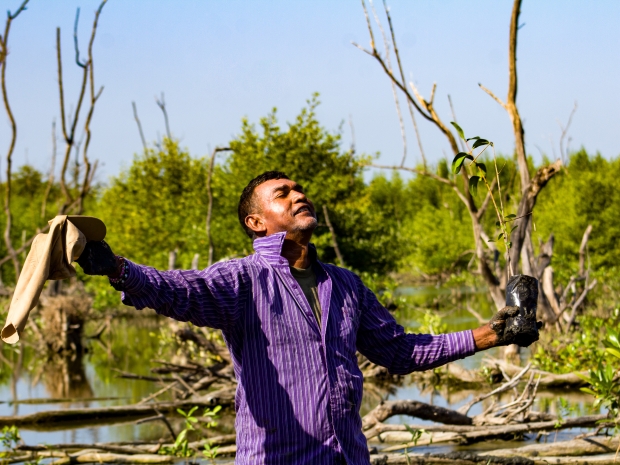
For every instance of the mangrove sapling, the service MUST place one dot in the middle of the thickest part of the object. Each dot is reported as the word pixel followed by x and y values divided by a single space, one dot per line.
pixel 477 171
pixel 521 290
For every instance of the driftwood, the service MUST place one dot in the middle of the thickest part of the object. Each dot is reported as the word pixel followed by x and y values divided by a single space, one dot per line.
pixel 58 419
pixel 471 434
pixel 547 379
pixel 415 409
pixel 593 445
pixel 456 458
pixel 126 448
pixel 97 457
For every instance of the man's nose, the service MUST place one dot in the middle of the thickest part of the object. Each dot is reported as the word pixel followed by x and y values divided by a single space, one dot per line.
pixel 300 197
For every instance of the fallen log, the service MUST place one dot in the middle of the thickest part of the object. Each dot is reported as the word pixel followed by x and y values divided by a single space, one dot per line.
pixel 416 409
pixel 472 434
pixel 452 458
pixel 606 459
pixel 96 457
pixel 549 380
pixel 126 450
pixel 594 445
pixel 61 419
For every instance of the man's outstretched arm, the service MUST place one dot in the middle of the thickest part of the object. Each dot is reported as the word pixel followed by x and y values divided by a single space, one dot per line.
pixel 213 297
pixel 385 342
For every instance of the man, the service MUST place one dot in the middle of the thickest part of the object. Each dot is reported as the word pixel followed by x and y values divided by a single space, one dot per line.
pixel 293 325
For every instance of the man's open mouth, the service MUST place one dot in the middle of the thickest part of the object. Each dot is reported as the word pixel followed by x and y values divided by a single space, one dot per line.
pixel 303 209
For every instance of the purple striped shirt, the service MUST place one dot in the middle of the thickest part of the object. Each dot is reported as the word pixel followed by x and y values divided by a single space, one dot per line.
pixel 300 388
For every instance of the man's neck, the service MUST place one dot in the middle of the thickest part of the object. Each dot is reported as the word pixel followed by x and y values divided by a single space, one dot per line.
pixel 297 252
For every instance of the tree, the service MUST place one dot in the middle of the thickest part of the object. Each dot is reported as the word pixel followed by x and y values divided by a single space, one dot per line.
pixel 157 206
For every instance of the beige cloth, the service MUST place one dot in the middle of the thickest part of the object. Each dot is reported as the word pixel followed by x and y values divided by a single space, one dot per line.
pixel 50 257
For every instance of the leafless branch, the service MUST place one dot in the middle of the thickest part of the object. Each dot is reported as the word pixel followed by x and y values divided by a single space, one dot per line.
pixel 494 97
pixel 4 40
pixel 161 103
pixel 88 168
pixel 352 147
pixel 50 176
pixel 394 91
pixel 403 80
pixel 565 131
pixel 69 135
pixel 333 235
pixel 582 250
pixel 135 115
pixel 210 199
pixel 75 40
pixel 503 388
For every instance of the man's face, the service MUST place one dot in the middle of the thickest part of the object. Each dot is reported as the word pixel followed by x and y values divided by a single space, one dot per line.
pixel 282 206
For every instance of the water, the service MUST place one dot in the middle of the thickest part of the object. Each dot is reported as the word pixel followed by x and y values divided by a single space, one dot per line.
pixel 132 345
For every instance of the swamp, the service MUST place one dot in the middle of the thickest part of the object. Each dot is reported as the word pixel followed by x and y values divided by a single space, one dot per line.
pixel 438 241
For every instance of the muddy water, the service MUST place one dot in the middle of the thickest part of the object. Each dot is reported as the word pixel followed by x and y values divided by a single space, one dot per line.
pixel 37 383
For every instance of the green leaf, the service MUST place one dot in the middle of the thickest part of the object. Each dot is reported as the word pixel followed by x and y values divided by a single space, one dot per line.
pixel 498 224
pixel 482 167
pixel 584 377
pixel 614 352
pixel 490 240
pixel 480 142
pixel 458 161
pixel 458 129
pixel 473 185
pixel 473 138
pixel 510 217
pixel 513 229
pixel 509 244
pixel 500 236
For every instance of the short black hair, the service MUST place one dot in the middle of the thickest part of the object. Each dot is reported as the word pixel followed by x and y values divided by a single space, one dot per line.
pixel 246 201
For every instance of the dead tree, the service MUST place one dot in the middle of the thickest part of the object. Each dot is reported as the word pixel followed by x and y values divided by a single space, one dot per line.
pixel 76 203
pixel 4 51
pixel 210 199
pixel 522 247
pixel 73 197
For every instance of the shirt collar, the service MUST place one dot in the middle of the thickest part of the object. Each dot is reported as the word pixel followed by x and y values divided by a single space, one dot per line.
pixel 270 247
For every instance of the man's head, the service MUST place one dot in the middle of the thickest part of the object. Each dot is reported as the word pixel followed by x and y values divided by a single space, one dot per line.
pixel 273 203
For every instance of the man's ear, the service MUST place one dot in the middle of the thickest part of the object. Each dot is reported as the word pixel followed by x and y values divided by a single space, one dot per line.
pixel 256 224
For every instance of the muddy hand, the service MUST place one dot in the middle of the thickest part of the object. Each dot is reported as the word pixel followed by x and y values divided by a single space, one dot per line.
pixel 498 325
pixel 98 259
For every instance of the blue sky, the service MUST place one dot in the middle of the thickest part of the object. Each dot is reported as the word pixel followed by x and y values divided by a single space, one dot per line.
pixel 218 61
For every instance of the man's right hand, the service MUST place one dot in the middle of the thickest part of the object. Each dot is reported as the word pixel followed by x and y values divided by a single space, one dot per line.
pixel 98 259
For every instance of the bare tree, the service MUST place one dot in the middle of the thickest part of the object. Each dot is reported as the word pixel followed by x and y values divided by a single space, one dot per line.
pixel 485 251
pixel 135 115
pixel 210 200
pixel 50 176
pixel 4 40
pixel 332 232
pixel 69 128
pixel 161 103
pixel 73 201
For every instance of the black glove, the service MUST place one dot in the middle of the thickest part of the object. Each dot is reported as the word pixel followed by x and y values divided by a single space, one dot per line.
pixel 513 327
pixel 98 259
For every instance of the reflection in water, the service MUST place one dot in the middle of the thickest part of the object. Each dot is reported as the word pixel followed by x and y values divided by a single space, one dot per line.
pixel 64 377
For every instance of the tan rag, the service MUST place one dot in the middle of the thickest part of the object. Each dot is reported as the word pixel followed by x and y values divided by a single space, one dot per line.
pixel 50 257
